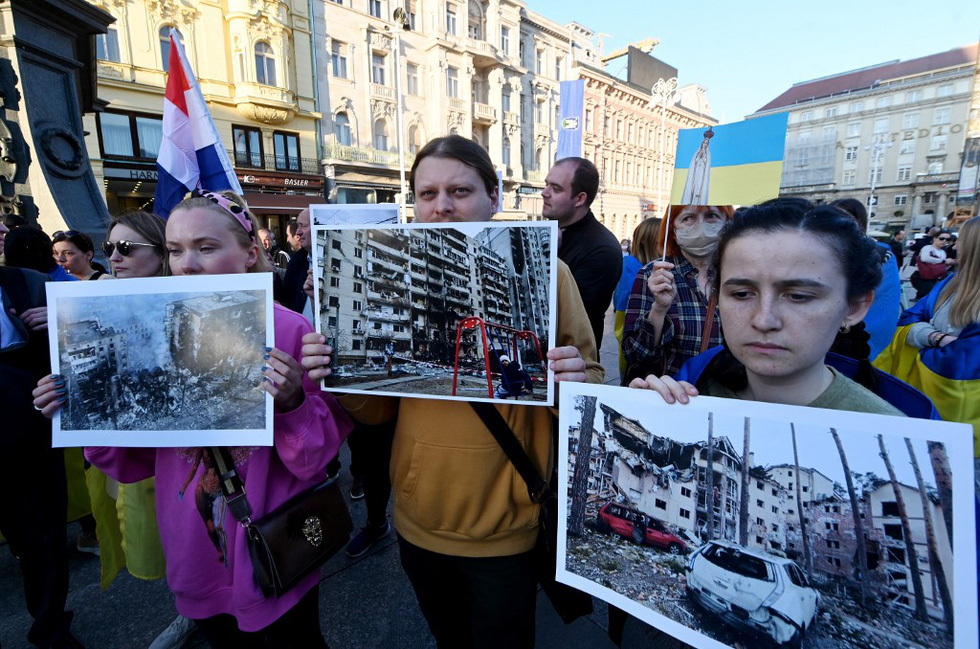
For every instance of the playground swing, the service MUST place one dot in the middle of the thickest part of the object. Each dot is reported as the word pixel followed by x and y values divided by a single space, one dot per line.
pixel 499 342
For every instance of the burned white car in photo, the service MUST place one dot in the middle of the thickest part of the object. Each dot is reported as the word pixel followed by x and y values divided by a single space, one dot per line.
pixel 756 592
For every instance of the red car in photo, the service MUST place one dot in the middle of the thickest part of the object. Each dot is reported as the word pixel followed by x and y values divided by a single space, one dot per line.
pixel 642 528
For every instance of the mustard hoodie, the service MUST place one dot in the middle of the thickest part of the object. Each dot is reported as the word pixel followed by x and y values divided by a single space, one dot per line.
pixel 456 492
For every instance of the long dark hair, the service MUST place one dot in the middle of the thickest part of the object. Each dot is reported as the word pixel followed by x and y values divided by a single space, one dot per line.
pixel 856 254
pixel 459 148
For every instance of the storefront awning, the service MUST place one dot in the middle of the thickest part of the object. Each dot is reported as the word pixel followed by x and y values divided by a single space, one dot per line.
pixel 264 204
pixel 357 179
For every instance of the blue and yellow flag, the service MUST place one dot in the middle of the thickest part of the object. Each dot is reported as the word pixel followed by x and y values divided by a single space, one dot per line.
pixel 731 164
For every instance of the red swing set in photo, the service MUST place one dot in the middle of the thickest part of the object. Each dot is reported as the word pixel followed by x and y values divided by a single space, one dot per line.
pixel 502 341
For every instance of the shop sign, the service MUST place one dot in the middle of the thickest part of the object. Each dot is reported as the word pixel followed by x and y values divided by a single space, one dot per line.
pixel 130 174
pixel 289 182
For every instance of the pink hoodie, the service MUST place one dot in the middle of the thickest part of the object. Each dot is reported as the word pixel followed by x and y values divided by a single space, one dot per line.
pixel 206 580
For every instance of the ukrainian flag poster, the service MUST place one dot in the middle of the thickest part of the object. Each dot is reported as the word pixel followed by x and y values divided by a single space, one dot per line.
pixel 731 164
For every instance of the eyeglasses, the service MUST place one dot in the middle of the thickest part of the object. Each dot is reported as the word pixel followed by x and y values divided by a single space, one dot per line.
pixel 945 238
pixel 61 235
pixel 125 247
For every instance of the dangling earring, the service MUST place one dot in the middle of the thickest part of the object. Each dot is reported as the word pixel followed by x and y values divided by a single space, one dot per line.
pixel 844 328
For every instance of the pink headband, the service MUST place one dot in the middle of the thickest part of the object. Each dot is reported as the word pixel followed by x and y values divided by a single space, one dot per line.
pixel 227 205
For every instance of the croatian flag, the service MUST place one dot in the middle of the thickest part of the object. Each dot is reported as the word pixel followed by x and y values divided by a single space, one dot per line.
pixel 191 153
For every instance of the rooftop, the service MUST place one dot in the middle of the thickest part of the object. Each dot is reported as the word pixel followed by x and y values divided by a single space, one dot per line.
pixel 872 76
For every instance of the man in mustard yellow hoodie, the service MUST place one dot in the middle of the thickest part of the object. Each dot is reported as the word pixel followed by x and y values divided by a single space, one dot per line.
pixel 466 524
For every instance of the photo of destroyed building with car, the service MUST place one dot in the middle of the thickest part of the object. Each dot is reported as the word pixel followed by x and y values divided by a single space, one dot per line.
pixel 694 528
pixel 186 361
pixel 437 311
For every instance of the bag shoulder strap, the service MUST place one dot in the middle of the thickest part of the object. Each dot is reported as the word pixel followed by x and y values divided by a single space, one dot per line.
pixel 232 487
pixel 708 323
pixel 538 489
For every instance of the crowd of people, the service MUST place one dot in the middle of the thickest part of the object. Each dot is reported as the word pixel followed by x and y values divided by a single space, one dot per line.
pixel 782 302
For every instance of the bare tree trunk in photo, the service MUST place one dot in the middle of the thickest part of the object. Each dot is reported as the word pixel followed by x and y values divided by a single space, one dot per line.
pixel 856 513
pixel 709 493
pixel 807 557
pixel 935 565
pixel 912 557
pixel 743 505
pixel 580 477
pixel 944 482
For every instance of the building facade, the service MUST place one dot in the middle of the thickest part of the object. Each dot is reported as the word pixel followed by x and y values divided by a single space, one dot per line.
pixel 898 128
pixel 253 61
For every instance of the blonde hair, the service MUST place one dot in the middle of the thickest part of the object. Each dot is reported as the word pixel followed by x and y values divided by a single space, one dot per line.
pixel 244 239
pixel 645 241
pixel 964 289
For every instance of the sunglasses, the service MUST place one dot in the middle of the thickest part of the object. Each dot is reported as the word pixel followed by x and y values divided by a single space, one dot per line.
pixel 61 235
pixel 945 238
pixel 125 247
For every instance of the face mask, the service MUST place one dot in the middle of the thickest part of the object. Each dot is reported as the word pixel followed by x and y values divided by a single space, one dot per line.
pixel 699 240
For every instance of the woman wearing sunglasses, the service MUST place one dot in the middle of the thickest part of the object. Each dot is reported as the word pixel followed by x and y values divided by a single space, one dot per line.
pixel 135 245
pixel 933 264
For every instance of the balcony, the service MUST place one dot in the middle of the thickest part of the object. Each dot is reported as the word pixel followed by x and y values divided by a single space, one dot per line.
pixel 455 103
pixel 949 177
pixel 267 104
pixel 244 160
pixel 484 113
pixel 511 117
pixel 382 92
pixel 484 53
pixel 535 176
pixel 370 156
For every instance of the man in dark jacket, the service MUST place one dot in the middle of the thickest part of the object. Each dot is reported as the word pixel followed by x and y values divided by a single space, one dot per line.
pixel 293 296
pixel 591 251
pixel 34 504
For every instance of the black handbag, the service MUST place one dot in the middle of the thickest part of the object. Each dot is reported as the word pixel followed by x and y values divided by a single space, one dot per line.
pixel 295 539
pixel 569 603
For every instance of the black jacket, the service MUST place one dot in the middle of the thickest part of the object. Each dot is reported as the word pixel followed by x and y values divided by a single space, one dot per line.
pixel 293 296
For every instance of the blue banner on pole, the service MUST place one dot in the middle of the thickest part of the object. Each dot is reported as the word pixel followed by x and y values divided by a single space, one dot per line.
pixel 570 119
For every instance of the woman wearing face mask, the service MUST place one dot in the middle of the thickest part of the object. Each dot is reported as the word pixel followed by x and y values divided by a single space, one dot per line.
pixel 670 303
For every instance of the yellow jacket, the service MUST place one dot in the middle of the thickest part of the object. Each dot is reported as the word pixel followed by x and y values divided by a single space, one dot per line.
pixel 455 491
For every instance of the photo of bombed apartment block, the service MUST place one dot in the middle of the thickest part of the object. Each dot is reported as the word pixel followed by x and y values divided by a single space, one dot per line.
pixel 455 311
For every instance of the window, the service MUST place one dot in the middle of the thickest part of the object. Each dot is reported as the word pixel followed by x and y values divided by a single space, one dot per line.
pixel 521 52
pixel 775 510
pixel 929 197
pixel 414 140
pixel 381 135
pixel 941 115
pixel 684 513
pixel 286 146
pixel 759 521
pixel 107 45
pixel 935 168
pixel 803 137
pixel 374 8
pixel 539 61
pixel 165 46
pixel 759 503
pixel 505 149
pixel 856 107
pixel 685 492
pixel 338 59
pixel 851 153
pixel 894 532
pixel 774 492
pixel 901 199
pixel 875 176
pixel 474 23
pixel 854 129
pixel 558 66
pixel 265 64
pixel 248 146
pixel 904 173
pixel 883 102
pixel 410 11
pixel 378 68
pixel 828 134
pixel 130 136
pixel 910 120
pixel 806 116
pixel 412 74
pixel 342 129
pixel 913 96
pixel 505 100
pixel 881 125
pixel 505 40
pixel 539 112
pixel 335 281
pixel 357 305
pixel 452 81
pixel 831 112
pixel 848 178
pixel 334 301
pixel 907 147
pixel 889 508
pixel 759 540
pixel 358 288
pixel 945 90
pixel 660 504
pixel 832 526
pixel 806 489
pixel 450 19
pixel 335 264
pixel 938 143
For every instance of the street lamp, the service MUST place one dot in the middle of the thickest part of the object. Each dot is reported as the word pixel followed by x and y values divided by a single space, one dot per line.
pixel 877 146
pixel 663 92
pixel 401 24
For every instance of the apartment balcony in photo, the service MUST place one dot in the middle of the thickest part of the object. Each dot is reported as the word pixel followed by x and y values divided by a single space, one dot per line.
pixel 244 160
pixel 484 113
pixel 379 91
pixel 266 104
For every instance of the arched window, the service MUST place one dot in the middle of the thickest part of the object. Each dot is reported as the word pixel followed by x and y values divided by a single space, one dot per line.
pixel 165 45
pixel 343 129
pixel 380 135
pixel 475 27
pixel 506 152
pixel 265 64
pixel 414 140
pixel 539 159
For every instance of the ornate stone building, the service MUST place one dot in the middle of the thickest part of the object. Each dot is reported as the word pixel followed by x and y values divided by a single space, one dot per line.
pixel 253 61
